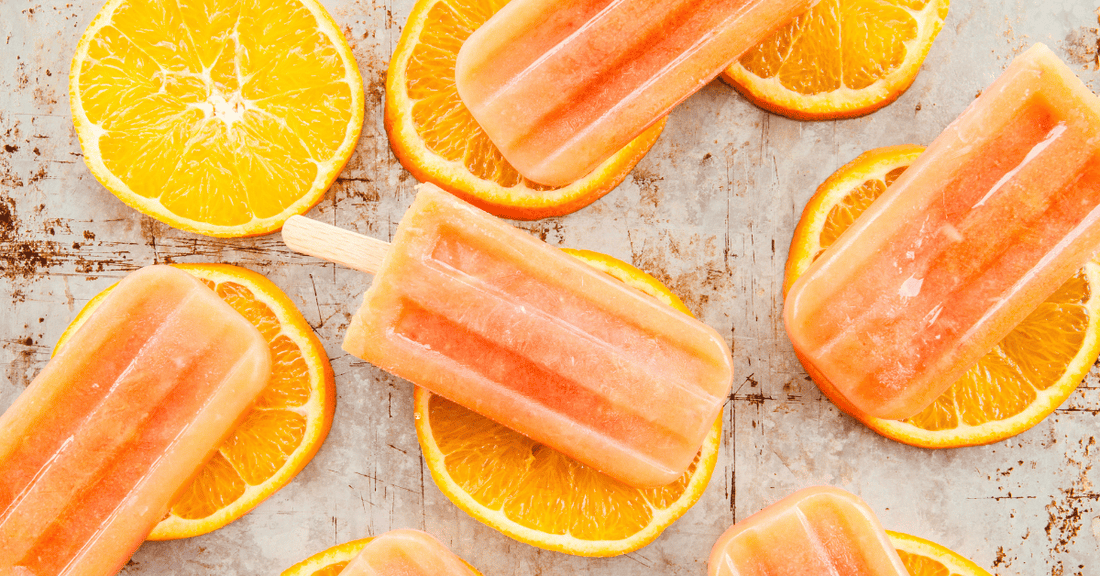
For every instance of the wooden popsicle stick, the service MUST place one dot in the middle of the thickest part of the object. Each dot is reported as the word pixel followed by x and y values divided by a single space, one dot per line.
pixel 327 242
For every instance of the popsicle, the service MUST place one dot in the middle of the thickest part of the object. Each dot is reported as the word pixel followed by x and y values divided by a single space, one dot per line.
pixel 94 450
pixel 406 553
pixel 818 531
pixel 561 85
pixel 991 219
pixel 494 319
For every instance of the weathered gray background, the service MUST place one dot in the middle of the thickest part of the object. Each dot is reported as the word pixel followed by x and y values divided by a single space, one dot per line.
pixel 710 211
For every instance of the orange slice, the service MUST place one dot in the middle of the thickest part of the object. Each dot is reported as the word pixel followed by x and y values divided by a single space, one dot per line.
pixel 1013 387
pixel 438 141
pixel 925 558
pixel 285 428
pixel 330 562
pixel 535 494
pixel 841 59
pixel 218 117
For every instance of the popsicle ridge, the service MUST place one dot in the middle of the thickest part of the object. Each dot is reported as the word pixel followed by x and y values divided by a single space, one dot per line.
pixel 817 531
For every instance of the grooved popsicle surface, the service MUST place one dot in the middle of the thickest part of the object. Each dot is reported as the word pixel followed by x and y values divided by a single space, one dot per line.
pixel 999 211
pixel 93 451
pixel 819 531
pixel 560 86
pixel 483 314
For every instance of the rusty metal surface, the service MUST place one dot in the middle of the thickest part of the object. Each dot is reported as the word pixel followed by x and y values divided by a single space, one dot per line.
pixel 710 211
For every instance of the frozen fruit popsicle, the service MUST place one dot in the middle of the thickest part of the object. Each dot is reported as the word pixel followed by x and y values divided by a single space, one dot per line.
pixel 490 317
pixel 561 85
pixel 819 531
pixel 94 450
pixel 994 216
pixel 406 553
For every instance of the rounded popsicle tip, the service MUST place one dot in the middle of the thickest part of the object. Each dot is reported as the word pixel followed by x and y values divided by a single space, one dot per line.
pixel 828 526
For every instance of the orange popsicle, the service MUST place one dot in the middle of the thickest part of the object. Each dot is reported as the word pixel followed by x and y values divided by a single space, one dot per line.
pixel 496 320
pixel 406 553
pixel 818 531
pixel 994 216
pixel 561 85
pixel 94 450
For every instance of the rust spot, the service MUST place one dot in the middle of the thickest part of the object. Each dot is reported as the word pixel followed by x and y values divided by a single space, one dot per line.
pixel 648 184
pixel 1082 47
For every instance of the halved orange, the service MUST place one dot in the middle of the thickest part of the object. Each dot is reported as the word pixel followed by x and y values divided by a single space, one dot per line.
pixel 218 117
pixel 535 494
pixel 285 427
pixel 1013 387
pixel 840 59
pixel 926 558
pixel 438 141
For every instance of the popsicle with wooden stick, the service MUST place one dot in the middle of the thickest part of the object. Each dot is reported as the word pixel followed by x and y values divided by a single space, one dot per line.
pixel 496 320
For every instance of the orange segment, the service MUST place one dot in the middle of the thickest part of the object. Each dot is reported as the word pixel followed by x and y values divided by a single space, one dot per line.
pixel 285 428
pixel 218 117
pixel 437 140
pixel 926 558
pixel 841 59
pixel 1013 387
pixel 535 494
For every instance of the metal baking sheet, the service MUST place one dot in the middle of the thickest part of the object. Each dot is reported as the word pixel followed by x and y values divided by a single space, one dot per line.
pixel 710 211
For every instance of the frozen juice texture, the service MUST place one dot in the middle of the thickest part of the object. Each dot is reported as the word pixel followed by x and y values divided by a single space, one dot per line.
pixel 561 85
pixel 819 531
pixel 492 318
pixel 116 424
pixel 406 553
pixel 990 220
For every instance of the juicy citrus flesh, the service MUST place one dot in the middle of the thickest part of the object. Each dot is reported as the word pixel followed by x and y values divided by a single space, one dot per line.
pixel 437 139
pixel 841 58
pixel 539 496
pixel 926 558
pixel 285 427
pixel 1010 389
pixel 216 116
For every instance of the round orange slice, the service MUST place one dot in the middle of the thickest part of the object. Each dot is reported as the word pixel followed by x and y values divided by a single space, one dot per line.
pixel 285 427
pixel 535 494
pixel 438 141
pixel 840 59
pixel 925 558
pixel 218 117
pixel 1009 390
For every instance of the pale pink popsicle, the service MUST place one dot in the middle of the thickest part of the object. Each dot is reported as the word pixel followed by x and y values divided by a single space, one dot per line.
pixel 496 320
pixel 818 531
pixel 94 450
pixel 406 553
pixel 998 212
pixel 561 85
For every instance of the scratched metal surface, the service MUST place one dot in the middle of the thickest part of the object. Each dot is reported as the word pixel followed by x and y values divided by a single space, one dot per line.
pixel 710 211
